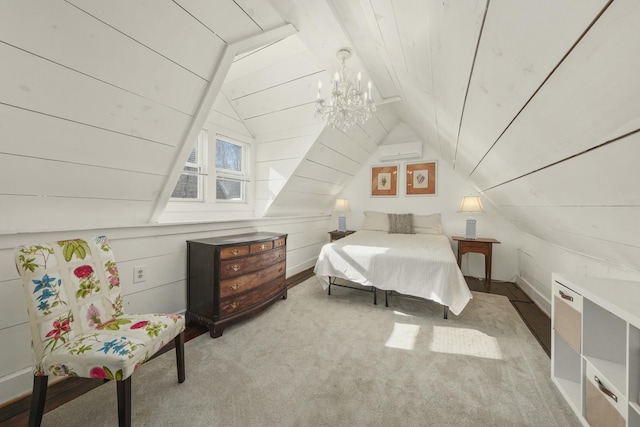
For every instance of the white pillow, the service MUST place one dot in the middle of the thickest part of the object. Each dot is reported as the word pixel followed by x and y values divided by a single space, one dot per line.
pixel 376 221
pixel 427 224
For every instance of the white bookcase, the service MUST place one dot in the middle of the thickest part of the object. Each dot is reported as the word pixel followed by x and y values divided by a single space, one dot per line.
pixel 595 348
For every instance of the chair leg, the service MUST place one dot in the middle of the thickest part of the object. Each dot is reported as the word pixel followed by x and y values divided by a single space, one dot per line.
pixel 124 402
pixel 38 398
pixel 179 344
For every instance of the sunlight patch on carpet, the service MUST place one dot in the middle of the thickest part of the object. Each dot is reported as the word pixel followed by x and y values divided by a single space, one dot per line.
pixel 467 342
pixel 403 336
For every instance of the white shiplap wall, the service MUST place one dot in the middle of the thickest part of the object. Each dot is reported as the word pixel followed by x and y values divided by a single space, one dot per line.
pixel 88 96
pixel 330 164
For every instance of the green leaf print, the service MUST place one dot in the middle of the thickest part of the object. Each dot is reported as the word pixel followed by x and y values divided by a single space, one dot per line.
pixel 114 325
pixel 71 247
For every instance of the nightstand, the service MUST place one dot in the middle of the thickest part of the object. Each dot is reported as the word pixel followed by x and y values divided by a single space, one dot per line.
pixel 481 246
pixel 337 235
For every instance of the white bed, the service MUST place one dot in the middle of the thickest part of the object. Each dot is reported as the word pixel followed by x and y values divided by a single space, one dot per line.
pixel 420 265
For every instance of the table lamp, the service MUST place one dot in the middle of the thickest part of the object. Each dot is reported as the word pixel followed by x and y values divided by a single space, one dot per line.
pixel 342 207
pixel 471 205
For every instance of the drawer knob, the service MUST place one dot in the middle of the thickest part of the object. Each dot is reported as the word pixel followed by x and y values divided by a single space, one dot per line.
pixel 568 298
pixel 234 305
pixel 235 267
pixel 604 389
pixel 235 252
pixel 262 247
pixel 234 287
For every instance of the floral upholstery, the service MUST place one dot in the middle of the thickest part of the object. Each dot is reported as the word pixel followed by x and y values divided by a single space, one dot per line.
pixel 75 310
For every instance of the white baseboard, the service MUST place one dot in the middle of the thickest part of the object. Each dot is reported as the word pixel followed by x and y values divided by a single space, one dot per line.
pixel 16 385
pixel 532 292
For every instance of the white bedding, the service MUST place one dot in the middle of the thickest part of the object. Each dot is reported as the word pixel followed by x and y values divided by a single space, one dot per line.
pixel 421 265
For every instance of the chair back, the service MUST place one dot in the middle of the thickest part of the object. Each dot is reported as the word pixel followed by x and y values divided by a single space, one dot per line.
pixel 70 286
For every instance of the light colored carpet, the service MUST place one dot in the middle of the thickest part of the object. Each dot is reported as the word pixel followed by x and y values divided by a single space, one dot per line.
pixel 319 360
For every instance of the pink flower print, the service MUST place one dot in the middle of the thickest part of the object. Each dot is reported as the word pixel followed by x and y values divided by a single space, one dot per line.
pixel 83 271
pixel 98 372
pixel 93 316
pixel 114 281
pixel 139 325
pixel 113 276
pixel 59 329
pixel 87 282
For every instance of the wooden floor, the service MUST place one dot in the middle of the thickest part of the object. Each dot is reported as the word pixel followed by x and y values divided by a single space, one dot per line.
pixel 17 413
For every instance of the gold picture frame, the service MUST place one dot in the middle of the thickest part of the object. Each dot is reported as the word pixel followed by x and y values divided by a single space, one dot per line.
pixel 421 178
pixel 384 181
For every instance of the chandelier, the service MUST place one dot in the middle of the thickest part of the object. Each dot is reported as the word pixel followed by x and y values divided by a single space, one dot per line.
pixel 348 103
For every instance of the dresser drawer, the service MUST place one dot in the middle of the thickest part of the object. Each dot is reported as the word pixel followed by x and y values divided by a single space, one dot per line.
pixel 241 266
pixel 241 284
pixel 568 296
pixel 479 247
pixel 240 303
pixel 567 322
pixel 257 248
pixel 234 251
pixel 567 316
pixel 604 405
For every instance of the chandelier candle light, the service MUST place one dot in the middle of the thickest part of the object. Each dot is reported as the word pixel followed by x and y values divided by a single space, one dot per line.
pixel 348 104
pixel 471 205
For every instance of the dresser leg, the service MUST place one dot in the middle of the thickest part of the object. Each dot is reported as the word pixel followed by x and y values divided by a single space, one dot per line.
pixel 216 332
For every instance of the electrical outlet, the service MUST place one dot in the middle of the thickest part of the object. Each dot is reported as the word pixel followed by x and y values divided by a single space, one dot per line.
pixel 139 273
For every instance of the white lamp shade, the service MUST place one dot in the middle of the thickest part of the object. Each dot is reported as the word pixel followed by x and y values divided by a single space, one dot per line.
pixel 471 204
pixel 342 205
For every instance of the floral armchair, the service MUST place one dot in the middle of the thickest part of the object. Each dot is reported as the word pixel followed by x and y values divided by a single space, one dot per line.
pixel 78 328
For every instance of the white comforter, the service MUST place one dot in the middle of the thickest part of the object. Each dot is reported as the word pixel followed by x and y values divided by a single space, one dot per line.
pixel 421 265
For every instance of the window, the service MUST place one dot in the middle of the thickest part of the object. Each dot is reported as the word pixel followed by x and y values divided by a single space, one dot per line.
pixel 190 186
pixel 231 174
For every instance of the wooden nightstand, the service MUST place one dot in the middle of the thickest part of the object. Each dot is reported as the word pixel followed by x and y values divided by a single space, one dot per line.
pixel 481 246
pixel 337 235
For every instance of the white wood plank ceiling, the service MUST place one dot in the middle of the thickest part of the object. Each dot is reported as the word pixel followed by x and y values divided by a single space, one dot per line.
pixel 535 103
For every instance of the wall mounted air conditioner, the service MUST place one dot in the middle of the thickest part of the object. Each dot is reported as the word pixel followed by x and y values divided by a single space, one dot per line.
pixel 405 150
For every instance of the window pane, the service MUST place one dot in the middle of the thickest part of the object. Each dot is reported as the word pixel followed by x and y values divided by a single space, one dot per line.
pixel 228 189
pixel 187 186
pixel 193 157
pixel 228 156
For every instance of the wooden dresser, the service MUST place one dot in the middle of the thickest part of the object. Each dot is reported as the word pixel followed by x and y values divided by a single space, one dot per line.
pixel 231 278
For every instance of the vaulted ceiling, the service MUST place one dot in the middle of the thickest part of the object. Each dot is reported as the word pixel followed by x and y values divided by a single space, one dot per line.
pixel 534 103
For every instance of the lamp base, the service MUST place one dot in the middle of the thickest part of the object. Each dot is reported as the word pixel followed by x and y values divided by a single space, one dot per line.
pixel 342 223
pixel 471 229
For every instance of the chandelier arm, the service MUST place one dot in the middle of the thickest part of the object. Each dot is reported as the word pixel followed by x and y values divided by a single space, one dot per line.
pixel 347 104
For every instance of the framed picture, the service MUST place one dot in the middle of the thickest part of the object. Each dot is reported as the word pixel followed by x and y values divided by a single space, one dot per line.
pixel 421 178
pixel 384 180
